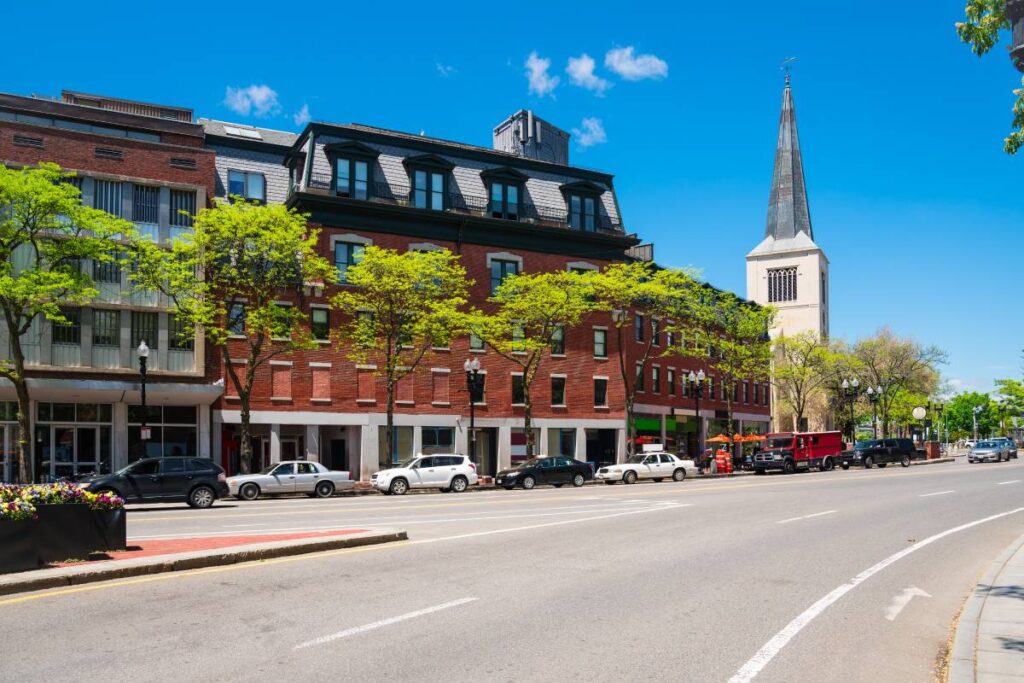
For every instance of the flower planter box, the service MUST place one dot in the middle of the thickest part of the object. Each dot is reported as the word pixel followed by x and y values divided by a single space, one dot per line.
pixel 112 528
pixel 66 532
pixel 18 550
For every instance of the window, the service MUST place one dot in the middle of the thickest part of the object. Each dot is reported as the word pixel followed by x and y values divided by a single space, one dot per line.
pixel 764 394
pixel 639 377
pixel 656 332
pixel 757 393
pixel 711 388
pixel 475 342
pixel 439 440
pixel 236 319
pixel 671 379
pixel 319 323
pixel 500 270
pixel 746 392
pixel 321 376
pixel 280 381
pixel 246 185
pixel 144 328
pixel 353 178
pixel 558 341
pixel 600 343
pixel 735 392
pixel 179 337
pixel 656 379
pixel 557 391
pixel 428 190
pixel 600 392
pixel 440 387
pixel 582 211
pixel 505 201
pixel 107 196
pixel 71 331
pixel 782 284
pixel 106 328
pixel 670 338
pixel 518 337
pixel 108 272
pixel 518 393
pixel 173 432
pixel 145 204
pixel 183 208
pixel 638 327
pixel 346 254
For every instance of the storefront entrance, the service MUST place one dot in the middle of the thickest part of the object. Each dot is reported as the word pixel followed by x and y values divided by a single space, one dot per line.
pixel 71 440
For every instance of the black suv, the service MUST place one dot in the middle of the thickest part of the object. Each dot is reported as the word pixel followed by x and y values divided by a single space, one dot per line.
pixel 880 452
pixel 196 481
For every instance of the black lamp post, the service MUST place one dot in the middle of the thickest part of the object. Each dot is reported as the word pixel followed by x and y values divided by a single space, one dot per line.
pixel 143 352
pixel 851 390
pixel 874 395
pixel 696 382
pixel 473 377
pixel 977 411
pixel 938 408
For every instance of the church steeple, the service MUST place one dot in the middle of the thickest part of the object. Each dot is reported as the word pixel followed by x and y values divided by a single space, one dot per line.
pixel 788 213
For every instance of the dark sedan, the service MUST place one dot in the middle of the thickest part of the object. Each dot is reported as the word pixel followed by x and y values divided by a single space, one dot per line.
pixel 557 471
pixel 196 481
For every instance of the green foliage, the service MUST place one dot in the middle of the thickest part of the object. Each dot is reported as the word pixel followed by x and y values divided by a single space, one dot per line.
pixel 958 415
pixel 45 235
pixel 802 370
pixel 985 20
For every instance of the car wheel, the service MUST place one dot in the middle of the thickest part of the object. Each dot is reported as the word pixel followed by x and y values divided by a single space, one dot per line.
pixel 459 484
pixel 579 480
pixel 680 474
pixel 845 466
pixel 399 486
pixel 529 482
pixel 827 465
pixel 324 489
pixel 201 497
pixel 788 467
pixel 905 461
pixel 249 492
pixel 868 462
pixel 610 483
pixel 629 477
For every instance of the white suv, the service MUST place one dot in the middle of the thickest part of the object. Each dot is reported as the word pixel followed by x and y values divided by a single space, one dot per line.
pixel 445 471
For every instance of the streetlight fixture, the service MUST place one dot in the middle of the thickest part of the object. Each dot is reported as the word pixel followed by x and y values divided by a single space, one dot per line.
pixel 851 390
pixel 143 352
pixel 874 395
pixel 696 380
pixel 473 381
pixel 977 411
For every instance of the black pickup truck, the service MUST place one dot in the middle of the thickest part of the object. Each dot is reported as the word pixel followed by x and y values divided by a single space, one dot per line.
pixel 879 452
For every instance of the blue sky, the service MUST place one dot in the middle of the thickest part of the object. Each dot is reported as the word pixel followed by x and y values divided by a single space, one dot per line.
pixel 918 208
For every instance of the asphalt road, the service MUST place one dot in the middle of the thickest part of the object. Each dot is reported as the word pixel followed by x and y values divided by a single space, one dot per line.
pixel 840 576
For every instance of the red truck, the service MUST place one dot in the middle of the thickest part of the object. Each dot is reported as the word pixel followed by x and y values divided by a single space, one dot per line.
pixel 792 451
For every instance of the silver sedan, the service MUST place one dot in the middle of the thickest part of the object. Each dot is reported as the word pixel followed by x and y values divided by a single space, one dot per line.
pixel 988 450
pixel 289 477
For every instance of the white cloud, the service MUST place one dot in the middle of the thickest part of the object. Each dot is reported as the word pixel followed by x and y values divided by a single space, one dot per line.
pixel 541 82
pixel 301 117
pixel 445 70
pixel 581 73
pixel 260 100
pixel 635 68
pixel 592 133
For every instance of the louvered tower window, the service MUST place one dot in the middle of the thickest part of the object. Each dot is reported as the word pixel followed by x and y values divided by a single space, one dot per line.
pixel 782 284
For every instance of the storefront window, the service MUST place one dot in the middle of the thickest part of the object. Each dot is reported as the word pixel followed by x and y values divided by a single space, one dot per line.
pixel 72 440
pixel 401 446
pixel 438 440
pixel 173 431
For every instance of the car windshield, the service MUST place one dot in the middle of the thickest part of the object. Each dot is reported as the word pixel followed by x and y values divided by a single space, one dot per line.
pixel 869 443
pixel 988 444
pixel 638 458
pixel 780 442
pixel 407 463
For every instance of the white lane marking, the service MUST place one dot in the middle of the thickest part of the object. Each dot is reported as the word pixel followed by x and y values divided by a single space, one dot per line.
pixel 902 600
pixel 937 493
pixel 774 646
pixel 796 519
pixel 362 523
pixel 1012 481
pixel 238 526
pixel 322 640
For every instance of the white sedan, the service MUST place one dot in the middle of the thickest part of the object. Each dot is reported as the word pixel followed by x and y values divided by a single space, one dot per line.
pixel 656 466
pixel 290 476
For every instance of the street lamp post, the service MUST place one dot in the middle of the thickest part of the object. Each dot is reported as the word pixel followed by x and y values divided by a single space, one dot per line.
pixel 143 352
pixel 874 395
pixel 696 381
pixel 851 390
pixel 472 368
pixel 939 408
pixel 977 411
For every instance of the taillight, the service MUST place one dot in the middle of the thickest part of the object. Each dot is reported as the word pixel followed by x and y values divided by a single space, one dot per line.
pixel 222 477
pixel 472 466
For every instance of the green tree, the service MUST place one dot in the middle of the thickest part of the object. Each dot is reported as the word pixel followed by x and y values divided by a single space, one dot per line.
pixel 985 20
pixel 661 300
pixel 45 235
pixel 801 371
pixel 533 311
pixel 959 415
pixel 229 276
pixel 407 304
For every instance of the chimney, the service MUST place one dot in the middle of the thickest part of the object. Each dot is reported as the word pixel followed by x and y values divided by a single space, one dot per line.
pixel 531 137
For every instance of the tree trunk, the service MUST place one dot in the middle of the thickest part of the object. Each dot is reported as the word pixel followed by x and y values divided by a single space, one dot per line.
pixel 630 423
pixel 390 421
pixel 25 473
pixel 245 441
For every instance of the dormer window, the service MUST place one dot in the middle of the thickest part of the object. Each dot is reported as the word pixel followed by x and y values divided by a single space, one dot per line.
pixel 353 169
pixel 582 205
pixel 505 192
pixel 428 175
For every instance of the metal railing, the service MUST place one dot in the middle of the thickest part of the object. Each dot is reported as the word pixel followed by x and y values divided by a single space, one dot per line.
pixel 469 204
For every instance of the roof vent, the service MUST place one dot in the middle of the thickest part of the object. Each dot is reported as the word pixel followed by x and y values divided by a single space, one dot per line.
pixel 26 141
pixel 529 136
pixel 109 153
pixel 182 162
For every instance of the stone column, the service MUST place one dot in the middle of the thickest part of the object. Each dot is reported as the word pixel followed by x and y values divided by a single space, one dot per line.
pixel 368 457
pixel 504 447
pixel 581 444
pixel 620 448
pixel 204 432
pixel 119 427
pixel 313 443
pixel 275 443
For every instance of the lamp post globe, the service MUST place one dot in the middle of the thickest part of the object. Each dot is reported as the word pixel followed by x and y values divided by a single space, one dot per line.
pixel 143 351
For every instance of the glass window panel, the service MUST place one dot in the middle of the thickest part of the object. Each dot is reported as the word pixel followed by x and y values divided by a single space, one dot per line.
pixel 588 205
pixel 512 203
pixel 236 183
pixel 574 212
pixel 106 328
pixel 179 441
pixel 178 336
pixel 180 415
pixel 343 176
pixel 256 186
pixel 320 323
pixel 63 412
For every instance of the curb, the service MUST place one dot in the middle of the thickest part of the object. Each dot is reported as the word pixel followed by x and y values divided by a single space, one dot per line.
pixel 963 656
pixel 936 461
pixel 59 577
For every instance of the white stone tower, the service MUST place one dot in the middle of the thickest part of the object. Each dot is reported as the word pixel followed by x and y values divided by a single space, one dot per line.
pixel 787 269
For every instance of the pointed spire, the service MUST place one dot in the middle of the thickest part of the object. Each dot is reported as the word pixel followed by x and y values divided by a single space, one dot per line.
pixel 788 212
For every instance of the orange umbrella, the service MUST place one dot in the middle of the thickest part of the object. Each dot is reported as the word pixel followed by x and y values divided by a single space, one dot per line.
pixel 721 438
pixel 751 438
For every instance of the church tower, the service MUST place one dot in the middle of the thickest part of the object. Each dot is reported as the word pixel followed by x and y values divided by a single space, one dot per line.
pixel 788 270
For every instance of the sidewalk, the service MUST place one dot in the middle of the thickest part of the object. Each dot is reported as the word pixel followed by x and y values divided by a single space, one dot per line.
pixel 989 642
pixel 144 557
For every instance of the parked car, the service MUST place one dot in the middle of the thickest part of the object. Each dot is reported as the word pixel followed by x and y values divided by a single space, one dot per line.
pixel 445 471
pixel 197 481
pixel 987 450
pixel 557 471
pixel 880 452
pixel 655 465
pixel 1009 444
pixel 290 476
pixel 790 452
